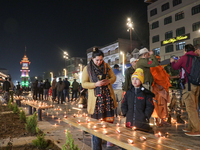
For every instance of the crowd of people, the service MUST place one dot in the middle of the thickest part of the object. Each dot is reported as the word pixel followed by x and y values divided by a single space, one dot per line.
pixel 57 90
pixel 149 90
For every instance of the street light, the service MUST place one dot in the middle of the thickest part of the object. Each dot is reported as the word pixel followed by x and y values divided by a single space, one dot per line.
pixel 51 73
pixel 80 74
pixel 122 62
pixel 65 56
pixel 130 28
pixel 36 77
pixel 65 72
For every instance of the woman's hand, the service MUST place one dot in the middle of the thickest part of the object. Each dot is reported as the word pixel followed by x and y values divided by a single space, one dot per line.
pixel 99 83
pixel 106 81
pixel 102 83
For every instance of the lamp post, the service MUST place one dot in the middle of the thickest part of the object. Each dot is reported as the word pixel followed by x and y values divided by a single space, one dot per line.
pixel 80 74
pixel 51 73
pixel 130 28
pixel 122 62
pixel 65 73
pixel 65 56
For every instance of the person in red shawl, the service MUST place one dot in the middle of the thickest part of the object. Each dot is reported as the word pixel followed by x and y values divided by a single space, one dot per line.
pixel 161 84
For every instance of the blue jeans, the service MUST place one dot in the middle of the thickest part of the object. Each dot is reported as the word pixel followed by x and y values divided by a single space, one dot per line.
pixel 59 96
pixel 96 143
pixel 66 93
pixel 46 94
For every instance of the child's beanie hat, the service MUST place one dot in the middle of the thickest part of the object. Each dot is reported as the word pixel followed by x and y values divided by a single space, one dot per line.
pixel 138 74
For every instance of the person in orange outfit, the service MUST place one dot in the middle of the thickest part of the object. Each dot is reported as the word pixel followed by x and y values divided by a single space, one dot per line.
pixel 161 84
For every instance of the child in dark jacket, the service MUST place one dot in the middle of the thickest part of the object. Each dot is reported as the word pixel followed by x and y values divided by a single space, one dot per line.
pixel 137 104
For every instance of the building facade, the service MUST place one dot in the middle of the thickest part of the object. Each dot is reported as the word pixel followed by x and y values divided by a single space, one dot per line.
pixel 74 67
pixel 112 52
pixel 172 25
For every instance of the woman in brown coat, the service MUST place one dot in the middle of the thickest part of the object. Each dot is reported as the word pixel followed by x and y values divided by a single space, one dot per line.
pixel 98 78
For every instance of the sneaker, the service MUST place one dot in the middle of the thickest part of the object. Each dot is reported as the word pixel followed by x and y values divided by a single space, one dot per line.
pixel 109 144
pixel 186 130
pixel 193 133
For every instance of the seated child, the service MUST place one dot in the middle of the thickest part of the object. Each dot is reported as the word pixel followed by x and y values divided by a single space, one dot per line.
pixel 137 104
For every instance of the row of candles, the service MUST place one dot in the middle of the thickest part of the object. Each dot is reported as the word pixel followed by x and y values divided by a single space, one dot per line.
pixel 37 103
pixel 104 126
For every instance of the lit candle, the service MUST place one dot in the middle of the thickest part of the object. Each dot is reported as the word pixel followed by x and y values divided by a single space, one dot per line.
pixel 74 115
pixel 94 127
pixel 143 138
pixel 118 131
pixel 158 134
pixel 130 141
pixel 52 116
pixel 117 124
pixel 105 132
pixel 65 116
pixel 134 128
pixel 78 121
pixel 88 120
pixel 104 126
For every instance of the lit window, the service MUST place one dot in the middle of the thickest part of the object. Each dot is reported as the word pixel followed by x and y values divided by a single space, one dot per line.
pixel 156 51
pixel 180 46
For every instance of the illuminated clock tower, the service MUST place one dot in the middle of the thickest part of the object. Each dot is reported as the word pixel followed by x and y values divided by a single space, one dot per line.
pixel 25 70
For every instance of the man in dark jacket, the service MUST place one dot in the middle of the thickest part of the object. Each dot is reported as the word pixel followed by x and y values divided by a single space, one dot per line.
pixel 137 104
pixel 41 90
pixel 46 89
pixel 190 97
pixel 75 87
pixel 6 85
pixel 66 90
pixel 128 74
pixel 35 90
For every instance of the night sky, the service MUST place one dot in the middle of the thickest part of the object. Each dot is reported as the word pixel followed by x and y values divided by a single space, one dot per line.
pixel 47 28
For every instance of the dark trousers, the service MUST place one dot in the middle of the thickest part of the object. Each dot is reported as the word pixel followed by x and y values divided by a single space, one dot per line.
pixel 60 96
pixel 35 92
pixel 54 94
pixel 74 92
pixel 41 94
pixel 66 94
pixel 96 143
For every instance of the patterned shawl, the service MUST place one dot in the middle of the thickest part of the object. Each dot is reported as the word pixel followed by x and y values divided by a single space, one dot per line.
pixel 96 73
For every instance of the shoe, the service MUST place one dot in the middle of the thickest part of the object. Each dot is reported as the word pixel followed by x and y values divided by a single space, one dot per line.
pixel 186 130
pixel 193 133
pixel 109 144
pixel 179 120
pixel 169 119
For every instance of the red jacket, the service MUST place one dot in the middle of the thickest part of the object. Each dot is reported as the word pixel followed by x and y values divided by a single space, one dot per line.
pixel 182 62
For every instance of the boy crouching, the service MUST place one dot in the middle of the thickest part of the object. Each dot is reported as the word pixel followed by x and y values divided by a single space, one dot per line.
pixel 137 104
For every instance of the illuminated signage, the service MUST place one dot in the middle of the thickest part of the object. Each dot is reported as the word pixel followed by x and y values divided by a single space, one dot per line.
pixel 175 39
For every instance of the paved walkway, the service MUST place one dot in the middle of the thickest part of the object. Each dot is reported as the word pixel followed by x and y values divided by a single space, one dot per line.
pixel 55 128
